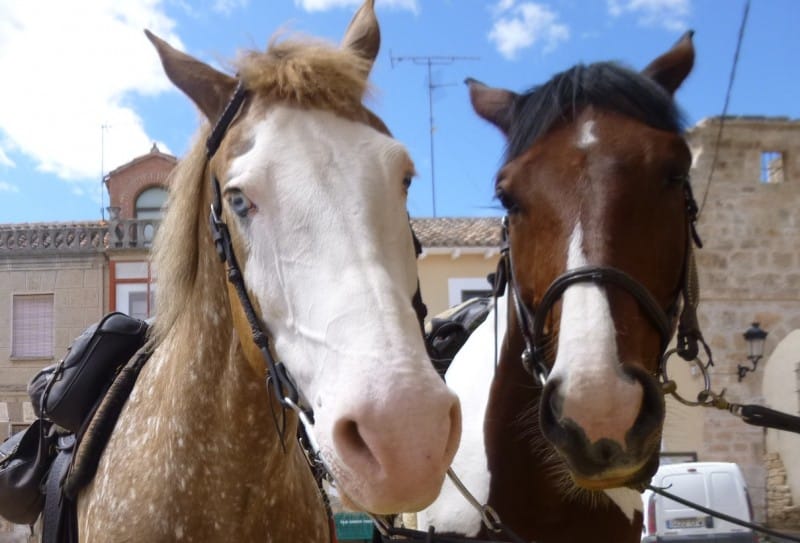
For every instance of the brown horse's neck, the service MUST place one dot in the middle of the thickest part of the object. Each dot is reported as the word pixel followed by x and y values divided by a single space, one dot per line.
pixel 215 468
pixel 530 488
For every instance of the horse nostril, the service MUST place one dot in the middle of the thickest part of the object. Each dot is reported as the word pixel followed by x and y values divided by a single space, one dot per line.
pixel 351 443
pixel 552 400
pixel 551 405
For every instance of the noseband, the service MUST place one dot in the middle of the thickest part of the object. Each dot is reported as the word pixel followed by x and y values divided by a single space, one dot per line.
pixel 532 322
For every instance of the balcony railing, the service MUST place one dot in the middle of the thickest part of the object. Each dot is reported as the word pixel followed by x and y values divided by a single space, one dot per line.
pixel 52 237
pixel 75 238
pixel 132 233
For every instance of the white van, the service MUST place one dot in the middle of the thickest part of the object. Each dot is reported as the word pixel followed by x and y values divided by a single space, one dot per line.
pixel 717 485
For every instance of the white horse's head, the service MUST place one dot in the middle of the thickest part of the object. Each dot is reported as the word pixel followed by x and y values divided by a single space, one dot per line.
pixel 314 191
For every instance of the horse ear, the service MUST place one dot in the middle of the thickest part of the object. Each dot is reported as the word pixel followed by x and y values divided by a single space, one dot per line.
pixel 209 89
pixel 492 104
pixel 670 69
pixel 363 35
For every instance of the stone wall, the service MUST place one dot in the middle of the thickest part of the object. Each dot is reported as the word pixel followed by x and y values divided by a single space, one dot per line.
pixel 782 512
pixel 749 270
pixel 78 285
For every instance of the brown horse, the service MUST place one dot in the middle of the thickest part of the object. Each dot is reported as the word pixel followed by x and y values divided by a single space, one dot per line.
pixel 311 189
pixel 595 184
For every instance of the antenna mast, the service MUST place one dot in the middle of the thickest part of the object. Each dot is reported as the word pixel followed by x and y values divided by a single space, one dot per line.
pixel 103 128
pixel 429 61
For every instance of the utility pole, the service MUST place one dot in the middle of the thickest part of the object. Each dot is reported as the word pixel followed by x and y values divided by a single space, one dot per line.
pixel 429 61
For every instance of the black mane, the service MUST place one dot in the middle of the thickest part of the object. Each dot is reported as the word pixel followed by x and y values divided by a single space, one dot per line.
pixel 605 85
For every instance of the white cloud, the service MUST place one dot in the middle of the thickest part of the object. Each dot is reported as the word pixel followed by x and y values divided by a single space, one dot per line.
pixel 226 7
pixel 524 25
pixel 670 14
pixel 5 161
pixel 8 187
pixel 326 5
pixel 74 69
pixel 503 5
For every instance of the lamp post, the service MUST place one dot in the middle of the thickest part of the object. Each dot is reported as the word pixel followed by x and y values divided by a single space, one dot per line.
pixel 755 337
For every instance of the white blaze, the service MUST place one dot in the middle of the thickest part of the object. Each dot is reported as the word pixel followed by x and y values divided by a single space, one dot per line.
pixel 586 138
pixel 596 394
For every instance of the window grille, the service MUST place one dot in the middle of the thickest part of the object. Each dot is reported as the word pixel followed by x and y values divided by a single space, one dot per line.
pixel 32 326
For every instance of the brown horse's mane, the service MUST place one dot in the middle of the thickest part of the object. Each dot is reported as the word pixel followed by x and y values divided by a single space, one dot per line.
pixel 605 85
pixel 309 75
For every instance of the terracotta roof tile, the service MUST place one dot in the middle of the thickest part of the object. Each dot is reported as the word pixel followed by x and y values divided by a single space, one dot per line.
pixel 439 232
pixel 458 231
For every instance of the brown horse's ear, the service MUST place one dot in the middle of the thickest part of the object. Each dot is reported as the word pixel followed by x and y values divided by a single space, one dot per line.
pixel 209 89
pixel 363 36
pixel 492 104
pixel 670 69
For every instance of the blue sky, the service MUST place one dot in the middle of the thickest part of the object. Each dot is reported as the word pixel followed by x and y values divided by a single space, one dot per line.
pixel 83 91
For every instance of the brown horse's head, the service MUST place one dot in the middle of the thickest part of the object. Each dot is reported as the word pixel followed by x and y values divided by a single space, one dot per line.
pixel 595 176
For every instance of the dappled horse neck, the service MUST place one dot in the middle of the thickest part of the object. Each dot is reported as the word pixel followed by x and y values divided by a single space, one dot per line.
pixel 603 85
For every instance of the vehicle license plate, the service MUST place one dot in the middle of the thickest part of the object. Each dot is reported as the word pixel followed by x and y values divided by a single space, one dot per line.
pixel 693 522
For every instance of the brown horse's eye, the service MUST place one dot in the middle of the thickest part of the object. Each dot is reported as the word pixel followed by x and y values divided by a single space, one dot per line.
pixel 506 201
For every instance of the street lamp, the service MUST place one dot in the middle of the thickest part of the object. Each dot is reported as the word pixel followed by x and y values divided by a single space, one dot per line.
pixel 754 336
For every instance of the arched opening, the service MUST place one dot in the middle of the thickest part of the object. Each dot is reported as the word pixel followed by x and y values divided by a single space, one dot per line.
pixel 150 203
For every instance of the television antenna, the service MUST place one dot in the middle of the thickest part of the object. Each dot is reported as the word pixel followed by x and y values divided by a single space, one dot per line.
pixel 430 61
pixel 103 128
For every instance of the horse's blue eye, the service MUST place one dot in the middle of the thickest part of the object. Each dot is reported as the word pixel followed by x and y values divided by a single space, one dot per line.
pixel 239 203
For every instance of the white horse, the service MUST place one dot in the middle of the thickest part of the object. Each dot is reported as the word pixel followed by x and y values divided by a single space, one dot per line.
pixel 313 191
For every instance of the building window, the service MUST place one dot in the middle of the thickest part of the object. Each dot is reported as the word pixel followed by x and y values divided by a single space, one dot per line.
pixel 32 326
pixel 150 203
pixel 772 167
pixel 461 289
pixel 133 288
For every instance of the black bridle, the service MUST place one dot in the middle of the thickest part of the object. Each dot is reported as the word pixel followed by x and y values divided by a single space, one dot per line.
pixel 277 374
pixel 532 321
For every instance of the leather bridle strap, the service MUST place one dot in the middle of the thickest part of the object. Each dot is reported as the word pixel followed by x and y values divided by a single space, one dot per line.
pixel 689 336
pixel 600 275
pixel 277 375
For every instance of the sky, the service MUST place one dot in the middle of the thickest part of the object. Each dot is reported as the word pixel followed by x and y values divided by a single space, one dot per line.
pixel 82 91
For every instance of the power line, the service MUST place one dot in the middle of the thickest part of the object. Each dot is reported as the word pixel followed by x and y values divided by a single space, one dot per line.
pixel 727 102
pixel 429 61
